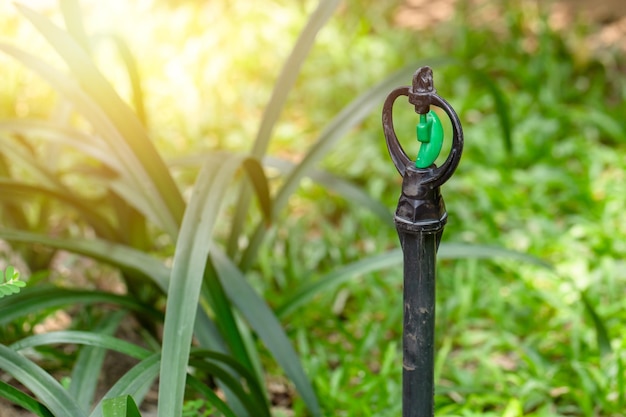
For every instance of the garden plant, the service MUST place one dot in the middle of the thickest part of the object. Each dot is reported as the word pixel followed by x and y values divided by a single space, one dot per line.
pixel 166 177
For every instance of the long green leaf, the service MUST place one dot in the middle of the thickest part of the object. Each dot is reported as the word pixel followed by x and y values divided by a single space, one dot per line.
pixel 88 366
pixel 470 250
pixel 122 406
pixel 262 319
pixel 283 86
pixel 188 268
pixel 40 298
pixel 20 152
pixel 123 257
pixel 209 336
pixel 210 396
pixel 13 213
pixel 90 145
pixel 99 340
pixel 602 334
pixel 392 259
pixel 120 256
pixel 351 192
pixel 136 382
pixel 254 406
pixel 23 400
pixel 40 383
pixel 161 184
pixel 501 105
pixel 364 266
pixel 289 73
pixel 16 190
pixel 213 292
pixel 251 380
pixel 73 17
pixel 131 184
pixel 133 74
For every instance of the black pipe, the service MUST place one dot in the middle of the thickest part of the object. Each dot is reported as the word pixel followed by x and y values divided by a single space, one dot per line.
pixel 418 335
pixel 420 218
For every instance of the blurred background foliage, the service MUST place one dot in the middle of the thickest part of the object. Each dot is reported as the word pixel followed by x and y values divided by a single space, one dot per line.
pixel 540 93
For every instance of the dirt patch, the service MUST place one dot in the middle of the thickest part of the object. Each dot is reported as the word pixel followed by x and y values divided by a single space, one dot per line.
pixel 608 16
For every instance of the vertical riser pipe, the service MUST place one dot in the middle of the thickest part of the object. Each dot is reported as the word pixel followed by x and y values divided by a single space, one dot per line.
pixel 419 324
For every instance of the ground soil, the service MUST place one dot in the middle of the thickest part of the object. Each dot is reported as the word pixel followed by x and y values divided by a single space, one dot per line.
pixel 607 17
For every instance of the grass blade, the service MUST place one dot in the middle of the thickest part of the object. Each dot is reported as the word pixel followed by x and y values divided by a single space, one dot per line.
pixel 351 192
pixel 393 259
pixel 88 144
pixel 73 17
pixel 99 340
pixel 210 396
pixel 253 405
pixel 12 190
pixel 25 401
pixel 192 250
pixel 283 86
pixel 120 256
pixel 306 292
pixel 470 250
pixel 40 383
pixel 40 298
pixel 251 381
pixel 261 186
pixel 133 75
pixel 501 105
pixel 602 334
pixel 88 366
pixel 263 321
pixel 136 382
pixel 229 329
pixel 122 406
pixel 289 74
pixel 20 152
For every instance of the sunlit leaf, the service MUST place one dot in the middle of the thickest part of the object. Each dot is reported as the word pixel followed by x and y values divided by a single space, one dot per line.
pixel 284 84
pixel 122 406
pixel 133 183
pixel 163 189
pixel 90 145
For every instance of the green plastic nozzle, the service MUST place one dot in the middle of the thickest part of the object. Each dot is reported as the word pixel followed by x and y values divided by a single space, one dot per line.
pixel 430 134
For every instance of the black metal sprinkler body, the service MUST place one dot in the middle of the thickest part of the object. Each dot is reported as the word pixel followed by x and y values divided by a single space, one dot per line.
pixel 420 218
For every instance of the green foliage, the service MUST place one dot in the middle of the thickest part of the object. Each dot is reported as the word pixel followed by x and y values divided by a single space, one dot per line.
pixel 10 282
pixel 140 193
pixel 198 408
pixel 259 288
pixel 122 406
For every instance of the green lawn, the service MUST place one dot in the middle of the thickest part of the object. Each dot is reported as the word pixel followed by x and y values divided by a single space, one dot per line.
pixel 531 276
